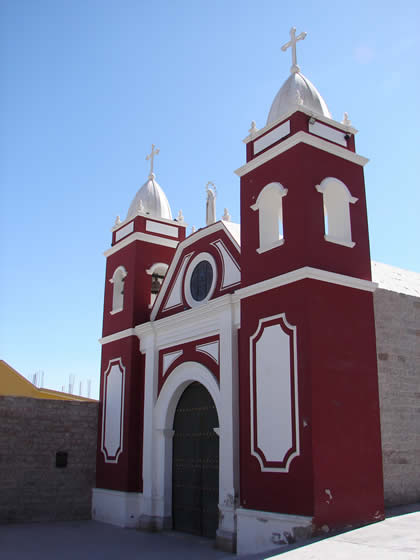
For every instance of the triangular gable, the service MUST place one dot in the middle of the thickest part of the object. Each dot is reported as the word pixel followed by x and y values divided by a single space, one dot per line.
pixel 219 244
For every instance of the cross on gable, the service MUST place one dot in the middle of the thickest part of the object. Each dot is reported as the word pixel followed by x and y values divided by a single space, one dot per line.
pixel 151 156
pixel 292 43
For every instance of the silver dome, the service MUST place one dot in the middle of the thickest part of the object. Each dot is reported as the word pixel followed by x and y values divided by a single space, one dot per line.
pixel 297 91
pixel 150 199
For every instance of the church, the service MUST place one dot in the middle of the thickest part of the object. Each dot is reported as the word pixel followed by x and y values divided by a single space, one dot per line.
pixel 239 375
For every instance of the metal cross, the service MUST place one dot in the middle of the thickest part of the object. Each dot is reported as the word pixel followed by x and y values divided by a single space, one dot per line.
pixel 292 43
pixel 151 156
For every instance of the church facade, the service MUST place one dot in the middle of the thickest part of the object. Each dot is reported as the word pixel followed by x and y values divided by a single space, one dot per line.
pixel 239 380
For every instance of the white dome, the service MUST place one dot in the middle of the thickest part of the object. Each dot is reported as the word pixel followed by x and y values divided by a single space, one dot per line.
pixel 297 91
pixel 151 200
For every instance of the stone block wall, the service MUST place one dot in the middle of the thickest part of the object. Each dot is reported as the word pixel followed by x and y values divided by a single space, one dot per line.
pixel 32 431
pixel 397 320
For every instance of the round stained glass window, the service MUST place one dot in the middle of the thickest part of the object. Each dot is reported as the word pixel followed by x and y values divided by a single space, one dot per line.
pixel 201 280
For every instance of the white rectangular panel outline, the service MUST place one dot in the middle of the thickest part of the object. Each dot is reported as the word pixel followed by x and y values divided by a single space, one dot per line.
pixel 163 229
pixel 129 228
pixel 273 136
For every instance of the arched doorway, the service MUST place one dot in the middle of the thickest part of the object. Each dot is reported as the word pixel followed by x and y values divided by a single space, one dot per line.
pixel 195 466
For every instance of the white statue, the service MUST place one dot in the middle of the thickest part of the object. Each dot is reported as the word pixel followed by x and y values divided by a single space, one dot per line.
pixel 180 217
pixel 211 203
pixel 226 216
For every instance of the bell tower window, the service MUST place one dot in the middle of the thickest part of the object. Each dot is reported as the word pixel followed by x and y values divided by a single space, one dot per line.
pixel 118 279
pixel 157 272
pixel 337 199
pixel 270 209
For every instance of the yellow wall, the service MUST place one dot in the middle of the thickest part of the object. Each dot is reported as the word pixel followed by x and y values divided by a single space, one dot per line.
pixel 14 384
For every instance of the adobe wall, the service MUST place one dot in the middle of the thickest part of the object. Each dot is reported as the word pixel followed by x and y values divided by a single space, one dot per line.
pixel 397 320
pixel 32 488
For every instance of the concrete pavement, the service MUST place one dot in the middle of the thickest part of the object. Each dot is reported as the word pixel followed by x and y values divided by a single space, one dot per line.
pixel 396 538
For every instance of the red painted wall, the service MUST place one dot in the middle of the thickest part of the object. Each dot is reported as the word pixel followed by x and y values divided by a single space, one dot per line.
pixel 338 406
pixel 126 474
pixel 136 257
pixel 299 170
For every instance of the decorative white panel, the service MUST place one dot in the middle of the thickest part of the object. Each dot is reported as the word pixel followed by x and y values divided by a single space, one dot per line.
pixel 231 273
pixel 274 397
pixel 129 228
pixel 164 229
pixel 273 136
pixel 175 297
pixel 328 133
pixel 168 360
pixel 113 411
pixel 211 349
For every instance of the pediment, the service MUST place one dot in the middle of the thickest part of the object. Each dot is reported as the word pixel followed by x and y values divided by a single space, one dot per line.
pixel 205 266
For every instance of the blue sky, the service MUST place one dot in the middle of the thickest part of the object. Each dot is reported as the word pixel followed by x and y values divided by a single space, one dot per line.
pixel 88 86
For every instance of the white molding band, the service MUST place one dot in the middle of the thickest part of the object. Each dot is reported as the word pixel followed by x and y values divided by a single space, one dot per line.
pixel 301 109
pixel 273 136
pixel 117 336
pixel 153 218
pixel 301 138
pixel 138 236
pixel 306 272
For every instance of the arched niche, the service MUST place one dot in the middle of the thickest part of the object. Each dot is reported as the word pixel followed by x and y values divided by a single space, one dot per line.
pixel 117 280
pixel 270 213
pixel 337 199
pixel 157 271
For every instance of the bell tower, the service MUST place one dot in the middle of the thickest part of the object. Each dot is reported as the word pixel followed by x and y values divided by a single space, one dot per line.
pixel 309 405
pixel 142 247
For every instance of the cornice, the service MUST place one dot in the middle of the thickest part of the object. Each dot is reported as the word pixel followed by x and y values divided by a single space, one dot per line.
pixel 305 273
pixel 302 109
pixel 148 217
pixel 117 336
pixel 301 138
pixel 138 236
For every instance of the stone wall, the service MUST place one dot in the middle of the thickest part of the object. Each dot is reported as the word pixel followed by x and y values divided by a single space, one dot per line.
pixel 397 318
pixel 32 431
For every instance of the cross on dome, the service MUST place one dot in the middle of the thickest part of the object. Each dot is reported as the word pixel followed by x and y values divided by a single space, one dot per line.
pixel 151 156
pixel 292 43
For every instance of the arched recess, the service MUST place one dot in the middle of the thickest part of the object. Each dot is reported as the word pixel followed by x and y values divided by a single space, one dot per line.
pixel 157 271
pixel 164 414
pixel 337 199
pixel 117 280
pixel 270 206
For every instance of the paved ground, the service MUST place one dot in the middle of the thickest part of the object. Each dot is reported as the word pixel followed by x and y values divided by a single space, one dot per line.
pixel 396 538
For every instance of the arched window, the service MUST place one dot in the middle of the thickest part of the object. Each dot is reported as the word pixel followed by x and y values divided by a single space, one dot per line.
pixel 337 200
pixel 117 280
pixel 270 206
pixel 157 271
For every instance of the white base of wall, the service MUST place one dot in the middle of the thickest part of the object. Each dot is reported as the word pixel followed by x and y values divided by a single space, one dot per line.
pixel 259 531
pixel 118 508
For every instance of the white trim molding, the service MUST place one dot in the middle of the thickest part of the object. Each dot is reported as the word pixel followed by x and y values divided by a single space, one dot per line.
pixel 138 236
pixel 273 377
pixel 117 336
pixel 113 411
pixel 201 257
pixel 302 109
pixel 306 272
pixel 301 138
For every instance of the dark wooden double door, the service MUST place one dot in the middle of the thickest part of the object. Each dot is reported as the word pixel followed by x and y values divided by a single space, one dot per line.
pixel 195 467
